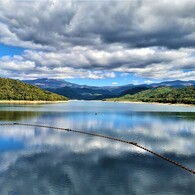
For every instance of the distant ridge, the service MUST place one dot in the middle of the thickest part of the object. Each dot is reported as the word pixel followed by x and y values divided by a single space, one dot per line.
pixel 11 89
pixel 75 91
pixel 45 83
pixel 175 84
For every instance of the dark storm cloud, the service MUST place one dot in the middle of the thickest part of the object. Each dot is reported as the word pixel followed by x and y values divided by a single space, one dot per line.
pixel 66 38
pixel 151 23
pixel 134 23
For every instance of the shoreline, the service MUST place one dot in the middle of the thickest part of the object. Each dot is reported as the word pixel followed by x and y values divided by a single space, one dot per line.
pixel 55 102
pixel 157 103
pixel 30 102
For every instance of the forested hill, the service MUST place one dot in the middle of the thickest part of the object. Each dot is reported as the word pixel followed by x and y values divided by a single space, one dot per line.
pixel 11 89
pixel 184 95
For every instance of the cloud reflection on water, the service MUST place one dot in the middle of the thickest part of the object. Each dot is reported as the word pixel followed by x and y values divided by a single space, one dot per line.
pixel 162 134
pixel 60 162
pixel 63 172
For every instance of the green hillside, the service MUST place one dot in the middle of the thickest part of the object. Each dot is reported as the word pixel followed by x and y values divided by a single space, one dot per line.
pixel 184 95
pixel 11 89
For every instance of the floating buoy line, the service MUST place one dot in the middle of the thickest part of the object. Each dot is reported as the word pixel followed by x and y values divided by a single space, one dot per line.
pixel 106 137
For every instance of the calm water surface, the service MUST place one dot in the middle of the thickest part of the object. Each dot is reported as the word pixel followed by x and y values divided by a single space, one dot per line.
pixel 45 161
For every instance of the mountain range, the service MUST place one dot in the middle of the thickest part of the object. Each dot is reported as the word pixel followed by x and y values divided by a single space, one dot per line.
pixel 75 91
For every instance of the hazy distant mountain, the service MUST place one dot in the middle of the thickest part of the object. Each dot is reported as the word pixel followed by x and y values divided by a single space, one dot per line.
pixel 75 91
pixel 90 93
pixel 49 83
pixel 174 84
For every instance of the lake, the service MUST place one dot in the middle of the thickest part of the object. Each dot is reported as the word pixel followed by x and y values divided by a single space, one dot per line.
pixel 45 161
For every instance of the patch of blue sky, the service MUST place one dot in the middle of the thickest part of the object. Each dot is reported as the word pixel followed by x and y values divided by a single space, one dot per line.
pixel 187 70
pixel 119 79
pixel 6 50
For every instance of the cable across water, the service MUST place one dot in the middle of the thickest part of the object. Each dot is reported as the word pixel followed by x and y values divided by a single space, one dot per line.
pixel 106 137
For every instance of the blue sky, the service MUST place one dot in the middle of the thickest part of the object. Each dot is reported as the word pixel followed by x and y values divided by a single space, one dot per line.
pixel 6 50
pixel 119 79
pixel 98 42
